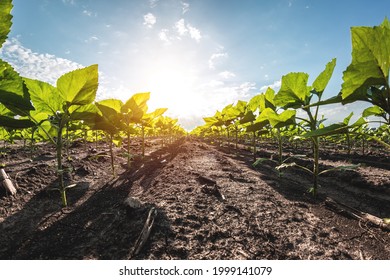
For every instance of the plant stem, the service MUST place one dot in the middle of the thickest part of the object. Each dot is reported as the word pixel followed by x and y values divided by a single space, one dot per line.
pixel 112 155
pixel 128 149
pixel 316 164
pixel 254 145
pixel 280 147
pixel 59 165
pixel 143 140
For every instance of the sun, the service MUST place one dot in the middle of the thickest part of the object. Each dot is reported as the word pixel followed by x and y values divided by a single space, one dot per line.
pixel 172 84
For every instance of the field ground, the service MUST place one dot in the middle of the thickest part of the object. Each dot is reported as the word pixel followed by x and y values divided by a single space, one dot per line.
pixel 211 204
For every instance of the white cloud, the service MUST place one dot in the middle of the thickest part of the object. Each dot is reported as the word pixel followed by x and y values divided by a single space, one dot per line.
pixel 91 39
pixel 181 27
pixel 244 88
pixel 149 20
pixel 89 13
pixel 185 7
pixel 184 28
pixel 275 85
pixel 227 74
pixel 163 35
pixel 216 57
pixel 44 67
pixel 194 33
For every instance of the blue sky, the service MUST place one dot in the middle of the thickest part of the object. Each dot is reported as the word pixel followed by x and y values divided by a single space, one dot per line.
pixel 194 56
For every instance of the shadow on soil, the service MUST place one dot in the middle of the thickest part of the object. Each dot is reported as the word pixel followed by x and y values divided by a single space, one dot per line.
pixel 102 227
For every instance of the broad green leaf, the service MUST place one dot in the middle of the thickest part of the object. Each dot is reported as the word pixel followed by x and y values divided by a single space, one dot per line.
pixel 13 92
pixel 249 117
pixel 338 128
pixel 241 106
pixel 111 119
pixel 158 112
pixel 373 111
pixel 5 20
pixel 347 119
pixel 322 80
pixel 4 111
pixel 9 122
pixel 259 125
pixel 114 104
pixel 148 118
pixel 45 97
pixel 370 63
pixel 79 86
pixel 278 120
pixel 137 102
pixel 254 103
pixel 294 91
pixel 267 100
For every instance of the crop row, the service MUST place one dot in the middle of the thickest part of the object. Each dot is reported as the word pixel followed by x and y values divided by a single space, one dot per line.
pixel 294 111
pixel 38 111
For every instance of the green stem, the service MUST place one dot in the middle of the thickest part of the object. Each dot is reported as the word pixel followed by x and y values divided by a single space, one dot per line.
pixel 280 147
pixel 112 155
pixel 59 165
pixel 254 145
pixel 128 149
pixel 236 130
pixel 316 164
pixel 143 140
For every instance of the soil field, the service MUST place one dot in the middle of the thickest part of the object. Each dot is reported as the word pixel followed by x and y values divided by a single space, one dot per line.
pixel 210 204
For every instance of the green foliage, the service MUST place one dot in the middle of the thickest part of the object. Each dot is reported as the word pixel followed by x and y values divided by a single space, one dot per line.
pixel 13 92
pixel 367 77
pixel 5 19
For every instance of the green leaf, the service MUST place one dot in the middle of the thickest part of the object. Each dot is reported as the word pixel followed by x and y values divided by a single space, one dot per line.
pixel 294 91
pixel 136 107
pixel 373 111
pixel 278 120
pixel 45 97
pixel 5 20
pixel 342 168
pixel 329 101
pixel 111 118
pixel 256 126
pixel 79 86
pixel 254 103
pixel 322 80
pixel 332 129
pixel 9 122
pixel 13 92
pixel 370 65
pixel 249 117
pixel 267 100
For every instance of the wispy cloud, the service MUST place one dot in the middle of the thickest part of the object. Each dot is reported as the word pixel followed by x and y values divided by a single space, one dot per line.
pixel 194 33
pixel 215 57
pixel 69 2
pixel 163 35
pixel 91 39
pixel 184 28
pixel 275 85
pixel 226 74
pixel 153 3
pixel 45 67
pixel 89 13
pixel 149 20
pixel 185 7
pixel 181 27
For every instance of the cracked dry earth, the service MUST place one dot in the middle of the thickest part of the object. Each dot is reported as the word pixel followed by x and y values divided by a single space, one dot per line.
pixel 210 205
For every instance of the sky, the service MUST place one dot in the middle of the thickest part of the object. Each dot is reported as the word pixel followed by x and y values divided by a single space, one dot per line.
pixel 194 56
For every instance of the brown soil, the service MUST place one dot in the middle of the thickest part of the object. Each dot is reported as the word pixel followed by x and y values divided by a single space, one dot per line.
pixel 211 204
